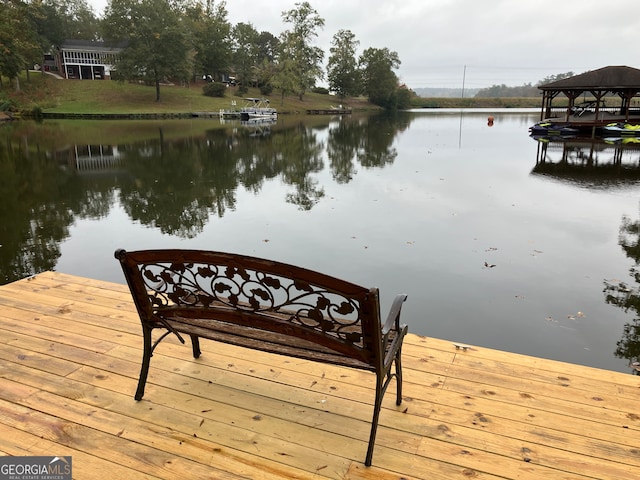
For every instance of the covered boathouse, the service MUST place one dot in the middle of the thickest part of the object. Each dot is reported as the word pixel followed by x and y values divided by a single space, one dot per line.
pixel 618 84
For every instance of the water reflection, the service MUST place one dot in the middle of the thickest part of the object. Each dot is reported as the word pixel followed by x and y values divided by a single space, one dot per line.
pixel 627 295
pixel 34 216
pixel 592 162
pixel 173 184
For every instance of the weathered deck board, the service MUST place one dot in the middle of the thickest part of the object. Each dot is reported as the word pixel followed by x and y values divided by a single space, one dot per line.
pixel 70 349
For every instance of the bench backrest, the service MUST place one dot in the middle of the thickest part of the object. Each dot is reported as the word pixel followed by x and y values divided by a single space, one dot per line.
pixel 256 293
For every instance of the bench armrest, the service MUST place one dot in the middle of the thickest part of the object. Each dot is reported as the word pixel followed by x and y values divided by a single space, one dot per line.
pixel 393 318
pixel 392 332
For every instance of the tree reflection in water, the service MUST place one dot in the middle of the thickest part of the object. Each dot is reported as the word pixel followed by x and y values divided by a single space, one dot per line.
pixel 627 296
pixel 163 179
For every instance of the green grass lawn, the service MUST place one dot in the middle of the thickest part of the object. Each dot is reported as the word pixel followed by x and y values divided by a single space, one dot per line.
pixel 49 94
pixel 75 96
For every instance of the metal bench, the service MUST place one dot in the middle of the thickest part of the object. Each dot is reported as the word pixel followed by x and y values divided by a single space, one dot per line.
pixel 265 305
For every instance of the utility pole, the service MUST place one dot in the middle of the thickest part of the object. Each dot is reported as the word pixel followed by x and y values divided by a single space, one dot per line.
pixel 464 76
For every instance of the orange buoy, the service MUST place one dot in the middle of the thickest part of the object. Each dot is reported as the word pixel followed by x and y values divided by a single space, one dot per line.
pixel 490 121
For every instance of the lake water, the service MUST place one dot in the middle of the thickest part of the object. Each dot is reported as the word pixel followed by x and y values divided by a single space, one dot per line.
pixel 497 241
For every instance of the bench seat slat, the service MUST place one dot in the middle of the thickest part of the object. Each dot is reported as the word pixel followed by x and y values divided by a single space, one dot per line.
pixel 271 326
pixel 267 341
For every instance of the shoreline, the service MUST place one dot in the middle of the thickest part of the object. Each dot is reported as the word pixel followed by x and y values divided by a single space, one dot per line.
pixel 4 116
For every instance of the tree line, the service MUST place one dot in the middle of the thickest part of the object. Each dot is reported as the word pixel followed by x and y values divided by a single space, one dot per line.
pixel 182 40
pixel 525 90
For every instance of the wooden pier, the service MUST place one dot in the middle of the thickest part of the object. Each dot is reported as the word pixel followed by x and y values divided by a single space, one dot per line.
pixel 329 111
pixel 70 349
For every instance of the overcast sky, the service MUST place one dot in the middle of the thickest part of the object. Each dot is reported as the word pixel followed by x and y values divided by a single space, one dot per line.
pixel 484 42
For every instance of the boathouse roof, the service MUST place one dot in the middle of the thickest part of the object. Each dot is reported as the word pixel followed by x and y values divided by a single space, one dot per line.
pixel 606 78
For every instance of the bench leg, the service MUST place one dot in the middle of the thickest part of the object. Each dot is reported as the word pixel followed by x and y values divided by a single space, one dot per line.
pixel 381 387
pixel 374 422
pixel 146 360
pixel 195 343
pixel 398 377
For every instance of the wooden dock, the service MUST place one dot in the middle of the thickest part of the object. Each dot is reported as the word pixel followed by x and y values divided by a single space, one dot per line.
pixel 69 359
pixel 329 111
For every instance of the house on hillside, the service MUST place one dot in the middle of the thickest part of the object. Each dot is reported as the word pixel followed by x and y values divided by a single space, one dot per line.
pixel 86 60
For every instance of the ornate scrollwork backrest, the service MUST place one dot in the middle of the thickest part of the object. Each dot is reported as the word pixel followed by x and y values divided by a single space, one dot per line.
pixel 250 289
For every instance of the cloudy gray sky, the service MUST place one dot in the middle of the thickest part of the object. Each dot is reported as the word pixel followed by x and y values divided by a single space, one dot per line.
pixel 488 42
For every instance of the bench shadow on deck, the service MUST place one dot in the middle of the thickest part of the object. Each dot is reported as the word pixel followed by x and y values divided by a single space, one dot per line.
pixel 70 350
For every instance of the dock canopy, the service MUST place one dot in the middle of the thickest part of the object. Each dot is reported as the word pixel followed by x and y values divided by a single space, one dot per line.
pixel 621 81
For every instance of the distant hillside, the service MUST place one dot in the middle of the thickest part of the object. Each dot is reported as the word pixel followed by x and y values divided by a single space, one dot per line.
pixel 502 91
pixel 445 92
